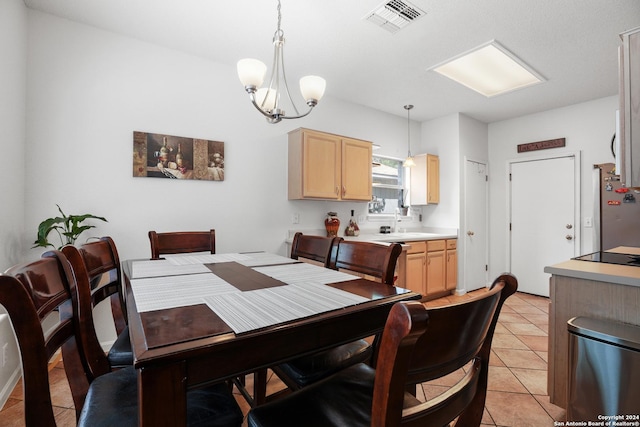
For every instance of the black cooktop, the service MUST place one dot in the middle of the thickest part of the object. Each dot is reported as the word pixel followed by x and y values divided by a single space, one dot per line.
pixel 611 258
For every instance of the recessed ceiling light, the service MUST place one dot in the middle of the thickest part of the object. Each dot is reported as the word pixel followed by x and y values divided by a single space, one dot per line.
pixel 489 69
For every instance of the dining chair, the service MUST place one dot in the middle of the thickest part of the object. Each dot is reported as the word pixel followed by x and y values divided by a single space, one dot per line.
pixel 418 345
pixel 375 261
pixel 34 292
pixel 315 248
pixel 100 261
pixel 178 242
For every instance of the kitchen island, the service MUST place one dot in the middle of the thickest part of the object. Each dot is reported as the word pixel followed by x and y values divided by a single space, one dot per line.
pixel 591 289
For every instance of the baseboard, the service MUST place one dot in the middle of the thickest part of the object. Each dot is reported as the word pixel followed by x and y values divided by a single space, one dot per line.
pixel 9 386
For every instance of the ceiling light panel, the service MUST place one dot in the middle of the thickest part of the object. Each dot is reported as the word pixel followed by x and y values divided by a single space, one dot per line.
pixel 394 15
pixel 489 69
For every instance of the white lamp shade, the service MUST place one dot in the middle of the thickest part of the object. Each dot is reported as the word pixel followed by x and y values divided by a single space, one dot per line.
pixel 270 95
pixel 408 162
pixel 312 87
pixel 251 72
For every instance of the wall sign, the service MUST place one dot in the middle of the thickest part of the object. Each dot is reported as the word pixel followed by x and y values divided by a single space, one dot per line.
pixel 541 145
pixel 167 156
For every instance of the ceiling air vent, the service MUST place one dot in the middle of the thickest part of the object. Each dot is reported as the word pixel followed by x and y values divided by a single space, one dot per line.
pixel 394 15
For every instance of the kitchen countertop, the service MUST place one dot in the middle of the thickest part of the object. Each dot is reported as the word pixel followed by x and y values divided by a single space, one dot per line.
pixel 406 236
pixel 598 271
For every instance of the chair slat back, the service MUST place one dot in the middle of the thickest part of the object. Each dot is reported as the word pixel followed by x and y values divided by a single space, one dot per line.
pixel 412 351
pixel 31 293
pixel 101 260
pixel 315 248
pixel 373 259
pixel 182 242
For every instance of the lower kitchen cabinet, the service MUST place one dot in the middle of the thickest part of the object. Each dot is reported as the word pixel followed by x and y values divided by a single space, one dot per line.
pixel 436 266
pixel 432 267
pixel 416 263
pixel 452 264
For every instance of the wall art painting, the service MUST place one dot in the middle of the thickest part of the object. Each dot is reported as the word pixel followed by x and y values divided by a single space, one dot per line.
pixel 166 156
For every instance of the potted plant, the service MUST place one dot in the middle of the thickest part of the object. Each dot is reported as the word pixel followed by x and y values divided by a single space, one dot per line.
pixel 68 228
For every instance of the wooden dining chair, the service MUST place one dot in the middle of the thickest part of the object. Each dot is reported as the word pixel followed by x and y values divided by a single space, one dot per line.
pixel 33 292
pixel 371 259
pixel 100 261
pixel 178 242
pixel 315 248
pixel 418 345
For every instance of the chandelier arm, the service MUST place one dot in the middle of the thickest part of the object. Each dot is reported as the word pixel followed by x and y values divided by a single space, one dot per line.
pixel 252 96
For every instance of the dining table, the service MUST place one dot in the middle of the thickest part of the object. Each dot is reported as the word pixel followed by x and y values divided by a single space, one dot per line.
pixel 198 319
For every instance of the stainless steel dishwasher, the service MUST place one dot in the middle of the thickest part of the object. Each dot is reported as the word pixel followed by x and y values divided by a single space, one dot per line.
pixel 604 370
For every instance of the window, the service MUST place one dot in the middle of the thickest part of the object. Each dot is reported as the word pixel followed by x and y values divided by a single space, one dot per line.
pixel 389 185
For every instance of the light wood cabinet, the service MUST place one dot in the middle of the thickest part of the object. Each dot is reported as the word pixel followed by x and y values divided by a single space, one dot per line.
pixel 327 166
pixel 416 267
pixel 425 180
pixel 436 266
pixel 452 264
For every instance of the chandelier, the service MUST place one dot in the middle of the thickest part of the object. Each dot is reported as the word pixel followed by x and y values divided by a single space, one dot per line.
pixel 408 162
pixel 269 100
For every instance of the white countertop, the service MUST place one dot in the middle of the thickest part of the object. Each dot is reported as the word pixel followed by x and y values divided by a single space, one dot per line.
pixel 598 271
pixel 406 236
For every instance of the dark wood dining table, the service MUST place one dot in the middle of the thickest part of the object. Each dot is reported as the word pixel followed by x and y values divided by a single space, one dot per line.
pixel 185 347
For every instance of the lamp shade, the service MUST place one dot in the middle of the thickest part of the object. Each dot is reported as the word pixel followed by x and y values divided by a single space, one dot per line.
pixel 251 72
pixel 408 162
pixel 312 87
pixel 266 98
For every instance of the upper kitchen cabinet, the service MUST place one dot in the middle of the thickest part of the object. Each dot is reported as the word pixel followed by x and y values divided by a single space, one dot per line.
pixel 425 180
pixel 629 132
pixel 329 167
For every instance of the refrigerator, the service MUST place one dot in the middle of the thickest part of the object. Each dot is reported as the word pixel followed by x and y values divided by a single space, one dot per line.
pixel 617 210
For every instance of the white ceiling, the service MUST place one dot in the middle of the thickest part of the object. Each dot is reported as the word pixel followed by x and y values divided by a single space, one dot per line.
pixel 572 43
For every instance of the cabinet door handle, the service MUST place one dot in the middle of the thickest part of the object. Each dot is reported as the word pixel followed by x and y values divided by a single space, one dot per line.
pixel 337 190
pixel 344 190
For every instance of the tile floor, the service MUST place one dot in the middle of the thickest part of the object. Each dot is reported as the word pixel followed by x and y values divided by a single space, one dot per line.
pixel 517 387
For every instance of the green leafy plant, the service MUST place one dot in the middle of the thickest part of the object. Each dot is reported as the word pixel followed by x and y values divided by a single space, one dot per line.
pixel 68 228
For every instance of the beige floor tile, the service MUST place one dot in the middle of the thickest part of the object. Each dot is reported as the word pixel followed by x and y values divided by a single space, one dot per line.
pixel 494 360
pixel 507 318
pixel 502 379
pixel 516 409
pixel 535 380
pixel 534 342
pixel 556 412
pixel 524 328
pixel 508 341
pixel 520 358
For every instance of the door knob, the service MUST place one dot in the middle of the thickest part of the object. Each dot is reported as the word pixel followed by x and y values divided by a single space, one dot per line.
pixel 470 233
pixel 569 237
pixel 569 226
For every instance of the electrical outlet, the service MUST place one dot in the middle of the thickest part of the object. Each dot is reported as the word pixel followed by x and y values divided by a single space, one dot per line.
pixel 295 218
pixel 5 350
pixel 588 222
pixel 361 219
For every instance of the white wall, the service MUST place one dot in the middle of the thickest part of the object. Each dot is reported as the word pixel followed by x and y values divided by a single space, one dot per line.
pixel 88 90
pixel 587 127
pixel 13 41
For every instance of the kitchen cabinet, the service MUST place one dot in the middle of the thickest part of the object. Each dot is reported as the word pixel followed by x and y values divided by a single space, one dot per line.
pixel 452 264
pixel 629 132
pixel 425 180
pixel 416 267
pixel 329 167
pixel 436 266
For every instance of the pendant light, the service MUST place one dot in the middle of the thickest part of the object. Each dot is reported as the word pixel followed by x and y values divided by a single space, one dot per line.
pixel 268 100
pixel 408 162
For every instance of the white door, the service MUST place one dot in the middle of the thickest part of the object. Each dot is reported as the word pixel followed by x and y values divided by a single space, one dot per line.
pixel 475 232
pixel 543 215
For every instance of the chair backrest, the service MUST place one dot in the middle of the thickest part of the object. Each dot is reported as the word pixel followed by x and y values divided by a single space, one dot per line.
pixel 31 293
pixel 179 242
pixel 101 261
pixel 421 344
pixel 315 248
pixel 95 360
pixel 373 259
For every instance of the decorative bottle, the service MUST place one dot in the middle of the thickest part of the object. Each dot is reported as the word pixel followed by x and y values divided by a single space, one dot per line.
pixel 352 229
pixel 332 224
pixel 179 157
pixel 164 152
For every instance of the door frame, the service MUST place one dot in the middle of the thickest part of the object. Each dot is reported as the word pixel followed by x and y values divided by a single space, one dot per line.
pixel 577 155
pixel 464 227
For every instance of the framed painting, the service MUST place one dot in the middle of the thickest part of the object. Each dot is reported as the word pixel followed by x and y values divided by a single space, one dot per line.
pixel 175 157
